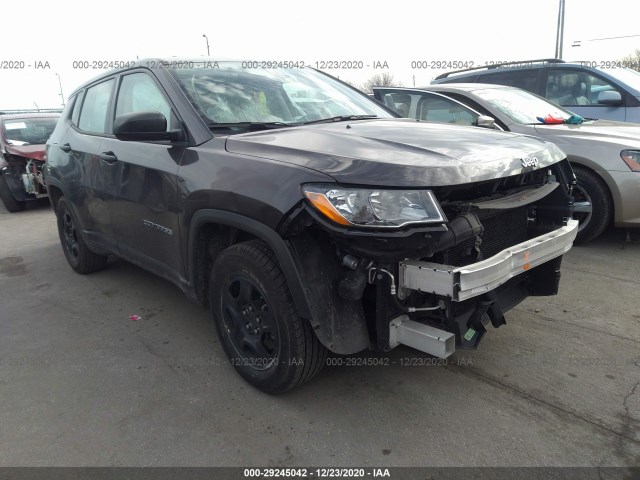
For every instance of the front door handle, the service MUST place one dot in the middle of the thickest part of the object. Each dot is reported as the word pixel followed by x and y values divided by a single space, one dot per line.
pixel 108 157
pixel 65 147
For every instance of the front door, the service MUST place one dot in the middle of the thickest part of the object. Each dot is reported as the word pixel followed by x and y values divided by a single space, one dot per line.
pixel 145 206
pixel 578 91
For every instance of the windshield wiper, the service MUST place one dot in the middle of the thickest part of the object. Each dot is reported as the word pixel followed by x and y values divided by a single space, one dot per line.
pixel 249 125
pixel 341 118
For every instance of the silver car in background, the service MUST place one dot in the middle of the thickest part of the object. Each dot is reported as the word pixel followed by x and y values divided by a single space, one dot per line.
pixel 605 155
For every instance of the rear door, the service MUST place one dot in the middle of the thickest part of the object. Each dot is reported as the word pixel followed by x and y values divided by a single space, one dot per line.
pixel 90 177
pixel 145 202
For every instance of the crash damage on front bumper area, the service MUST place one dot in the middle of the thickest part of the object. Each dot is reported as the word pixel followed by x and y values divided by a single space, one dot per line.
pixel 438 287
pixel 22 170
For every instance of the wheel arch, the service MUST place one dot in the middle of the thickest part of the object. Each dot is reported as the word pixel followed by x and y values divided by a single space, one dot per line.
pixel 55 194
pixel 211 231
pixel 612 187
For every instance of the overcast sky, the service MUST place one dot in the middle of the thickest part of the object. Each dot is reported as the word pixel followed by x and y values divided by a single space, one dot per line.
pixel 399 32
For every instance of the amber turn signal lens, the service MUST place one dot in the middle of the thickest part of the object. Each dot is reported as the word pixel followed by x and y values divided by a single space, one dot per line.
pixel 632 159
pixel 323 205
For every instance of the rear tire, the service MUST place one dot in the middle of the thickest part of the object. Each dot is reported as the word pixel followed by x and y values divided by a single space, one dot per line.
pixel 10 203
pixel 263 336
pixel 592 189
pixel 80 258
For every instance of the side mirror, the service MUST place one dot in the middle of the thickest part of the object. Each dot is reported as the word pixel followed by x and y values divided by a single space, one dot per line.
pixel 485 121
pixel 143 126
pixel 609 97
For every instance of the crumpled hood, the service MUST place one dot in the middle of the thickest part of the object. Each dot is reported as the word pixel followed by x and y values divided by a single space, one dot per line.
pixel 35 152
pixel 599 130
pixel 398 152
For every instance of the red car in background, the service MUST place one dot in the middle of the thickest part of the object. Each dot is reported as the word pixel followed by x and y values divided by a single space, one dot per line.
pixel 22 155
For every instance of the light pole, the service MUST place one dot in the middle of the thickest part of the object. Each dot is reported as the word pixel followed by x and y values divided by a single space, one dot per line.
pixel 61 94
pixel 207 39
pixel 560 32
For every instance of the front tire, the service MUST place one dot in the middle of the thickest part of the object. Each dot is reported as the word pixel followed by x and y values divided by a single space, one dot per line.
pixel 78 255
pixel 9 202
pixel 592 195
pixel 261 332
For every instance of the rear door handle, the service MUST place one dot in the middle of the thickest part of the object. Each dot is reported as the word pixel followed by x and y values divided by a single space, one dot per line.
pixel 65 147
pixel 108 157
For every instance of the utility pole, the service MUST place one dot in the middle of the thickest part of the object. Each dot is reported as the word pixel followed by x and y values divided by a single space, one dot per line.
pixel 560 32
pixel 61 94
pixel 207 39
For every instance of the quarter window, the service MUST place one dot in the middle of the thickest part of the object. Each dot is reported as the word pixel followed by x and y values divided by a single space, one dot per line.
pixel 93 117
pixel 76 108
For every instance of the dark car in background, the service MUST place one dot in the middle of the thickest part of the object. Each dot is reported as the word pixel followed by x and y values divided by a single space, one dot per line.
pixel 22 155
pixel 605 155
pixel 305 214
pixel 598 90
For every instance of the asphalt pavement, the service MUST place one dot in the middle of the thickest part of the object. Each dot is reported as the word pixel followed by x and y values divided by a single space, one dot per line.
pixel 82 384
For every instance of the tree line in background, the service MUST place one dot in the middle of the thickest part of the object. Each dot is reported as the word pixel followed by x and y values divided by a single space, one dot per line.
pixel 633 60
pixel 384 79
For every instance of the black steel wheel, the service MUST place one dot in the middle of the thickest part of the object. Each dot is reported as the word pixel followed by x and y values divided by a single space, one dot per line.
pixel 261 332
pixel 249 322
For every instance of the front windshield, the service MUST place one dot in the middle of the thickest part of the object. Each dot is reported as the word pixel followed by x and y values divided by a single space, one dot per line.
pixel 520 105
pixel 233 93
pixel 29 131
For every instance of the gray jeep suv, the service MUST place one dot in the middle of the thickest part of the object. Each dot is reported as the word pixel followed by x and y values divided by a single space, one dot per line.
pixel 304 213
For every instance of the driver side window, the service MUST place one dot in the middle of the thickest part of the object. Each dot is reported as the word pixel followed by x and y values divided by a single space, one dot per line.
pixel 574 87
pixel 139 93
pixel 443 110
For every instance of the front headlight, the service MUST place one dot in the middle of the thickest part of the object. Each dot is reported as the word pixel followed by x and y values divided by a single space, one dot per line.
pixel 364 207
pixel 632 159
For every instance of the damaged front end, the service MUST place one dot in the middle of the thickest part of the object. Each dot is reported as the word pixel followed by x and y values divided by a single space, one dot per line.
pixel 21 170
pixel 23 140
pixel 435 286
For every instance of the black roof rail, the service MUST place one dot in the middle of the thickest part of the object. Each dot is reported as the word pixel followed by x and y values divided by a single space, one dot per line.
pixel 498 65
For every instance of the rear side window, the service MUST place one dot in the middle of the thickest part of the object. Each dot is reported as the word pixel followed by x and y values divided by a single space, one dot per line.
pixel 139 93
pixel 525 79
pixel 93 116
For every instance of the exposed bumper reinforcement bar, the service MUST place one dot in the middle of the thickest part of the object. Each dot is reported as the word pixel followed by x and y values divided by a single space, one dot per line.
pixel 427 339
pixel 462 283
